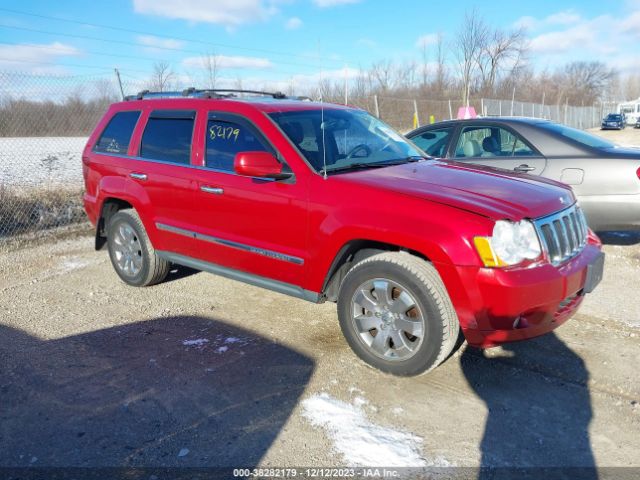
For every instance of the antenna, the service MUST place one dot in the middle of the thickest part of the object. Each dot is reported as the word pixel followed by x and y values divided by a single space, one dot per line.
pixel 324 149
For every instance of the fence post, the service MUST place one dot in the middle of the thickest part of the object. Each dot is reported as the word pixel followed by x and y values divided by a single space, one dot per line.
pixel 482 107
pixel 513 99
pixel 450 111
pixel 416 118
pixel 375 103
pixel 500 107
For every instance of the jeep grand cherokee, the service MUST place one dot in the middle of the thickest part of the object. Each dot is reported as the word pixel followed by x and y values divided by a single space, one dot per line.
pixel 327 203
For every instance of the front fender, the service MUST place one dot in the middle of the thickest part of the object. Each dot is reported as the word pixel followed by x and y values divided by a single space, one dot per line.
pixel 444 236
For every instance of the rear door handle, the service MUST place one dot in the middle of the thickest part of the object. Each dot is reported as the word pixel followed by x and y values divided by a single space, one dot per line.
pixel 524 168
pixel 138 176
pixel 213 190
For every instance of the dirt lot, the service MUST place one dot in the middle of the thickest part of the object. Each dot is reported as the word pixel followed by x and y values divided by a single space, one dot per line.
pixel 205 371
pixel 628 137
pixel 202 371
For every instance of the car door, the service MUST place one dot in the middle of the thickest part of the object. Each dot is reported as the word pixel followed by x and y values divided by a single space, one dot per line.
pixel 497 146
pixel 247 224
pixel 161 177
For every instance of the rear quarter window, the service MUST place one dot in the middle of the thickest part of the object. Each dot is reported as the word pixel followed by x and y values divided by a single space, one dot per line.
pixel 116 136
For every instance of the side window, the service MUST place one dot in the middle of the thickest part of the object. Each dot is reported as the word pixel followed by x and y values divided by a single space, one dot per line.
pixel 433 142
pixel 116 136
pixel 491 142
pixel 225 139
pixel 168 138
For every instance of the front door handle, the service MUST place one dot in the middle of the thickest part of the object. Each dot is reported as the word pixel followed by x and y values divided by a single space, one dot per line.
pixel 524 168
pixel 213 190
pixel 138 176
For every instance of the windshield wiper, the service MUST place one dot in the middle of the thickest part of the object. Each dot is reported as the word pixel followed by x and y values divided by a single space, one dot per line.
pixel 365 165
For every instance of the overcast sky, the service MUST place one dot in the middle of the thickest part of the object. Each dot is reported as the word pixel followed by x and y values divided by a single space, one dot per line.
pixel 280 40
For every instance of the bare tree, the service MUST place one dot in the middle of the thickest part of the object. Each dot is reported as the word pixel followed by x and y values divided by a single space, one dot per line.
pixel 501 51
pixel 586 81
pixel 441 68
pixel 211 64
pixel 162 77
pixel 381 75
pixel 471 40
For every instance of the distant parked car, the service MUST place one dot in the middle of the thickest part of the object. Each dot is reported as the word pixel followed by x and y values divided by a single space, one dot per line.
pixel 605 177
pixel 613 121
pixel 638 123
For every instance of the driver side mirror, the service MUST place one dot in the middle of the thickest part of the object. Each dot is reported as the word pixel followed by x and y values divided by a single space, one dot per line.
pixel 259 164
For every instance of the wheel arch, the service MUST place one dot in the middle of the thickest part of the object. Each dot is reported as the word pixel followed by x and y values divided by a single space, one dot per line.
pixel 352 252
pixel 109 207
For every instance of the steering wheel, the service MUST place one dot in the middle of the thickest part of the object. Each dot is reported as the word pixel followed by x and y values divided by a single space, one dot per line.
pixel 360 147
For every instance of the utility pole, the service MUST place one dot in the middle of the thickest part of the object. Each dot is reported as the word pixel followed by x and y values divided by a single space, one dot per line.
pixel 119 82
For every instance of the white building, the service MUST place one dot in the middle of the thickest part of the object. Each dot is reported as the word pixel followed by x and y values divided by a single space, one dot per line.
pixel 631 109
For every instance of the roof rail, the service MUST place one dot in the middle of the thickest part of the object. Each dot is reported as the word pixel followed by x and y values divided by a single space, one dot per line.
pixel 220 92
pixel 205 93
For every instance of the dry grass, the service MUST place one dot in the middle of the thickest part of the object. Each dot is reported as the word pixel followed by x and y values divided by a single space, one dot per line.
pixel 28 210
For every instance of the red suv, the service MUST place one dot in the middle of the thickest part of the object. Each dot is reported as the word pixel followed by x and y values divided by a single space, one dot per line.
pixel 326 202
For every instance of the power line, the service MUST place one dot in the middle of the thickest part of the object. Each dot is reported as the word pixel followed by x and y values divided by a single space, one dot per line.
pixel 115 55
pixel 142 32
pixel 123 42
pixel 83 65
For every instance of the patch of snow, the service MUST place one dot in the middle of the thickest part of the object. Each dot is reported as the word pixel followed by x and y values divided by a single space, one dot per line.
pixel 183 452
pixel 222 349
pixel 359 401
pixel 397 410
pixel 358 440
pixel 71 265
pixel 34 161
pixel 199 342
pixel 232 340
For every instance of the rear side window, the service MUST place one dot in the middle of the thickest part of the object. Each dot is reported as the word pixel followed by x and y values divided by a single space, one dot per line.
pixel 433 142
pixel 491 142
pixel 116 137
pixel 167 137
pixel 225 139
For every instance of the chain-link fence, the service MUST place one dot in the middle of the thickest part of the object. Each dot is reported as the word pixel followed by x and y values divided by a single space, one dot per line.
pixel 582 117
pixel 45 121
pixel 44 125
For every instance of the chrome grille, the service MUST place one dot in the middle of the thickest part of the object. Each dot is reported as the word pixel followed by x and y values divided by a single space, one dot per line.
pixel 562 234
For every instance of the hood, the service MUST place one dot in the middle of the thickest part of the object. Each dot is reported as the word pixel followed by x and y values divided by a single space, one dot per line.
pixel 484 190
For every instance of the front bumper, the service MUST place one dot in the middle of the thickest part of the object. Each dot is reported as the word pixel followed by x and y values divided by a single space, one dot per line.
pixel 495 306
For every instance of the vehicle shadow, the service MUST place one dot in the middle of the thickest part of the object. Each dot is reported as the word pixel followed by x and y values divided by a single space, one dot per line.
pixel 178 272
pixel 620 238
pixel 539 410
pixel 167 392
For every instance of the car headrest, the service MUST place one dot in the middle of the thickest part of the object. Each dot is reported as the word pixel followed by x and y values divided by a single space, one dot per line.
pixel 490 145
pixel 471 148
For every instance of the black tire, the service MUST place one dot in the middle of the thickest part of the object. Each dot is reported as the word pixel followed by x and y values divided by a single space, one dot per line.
pixel 422 283
pixel 152 269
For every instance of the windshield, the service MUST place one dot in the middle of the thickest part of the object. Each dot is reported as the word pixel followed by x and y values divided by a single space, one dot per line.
pixel 612 116
pixel 579 136
pixel 344 139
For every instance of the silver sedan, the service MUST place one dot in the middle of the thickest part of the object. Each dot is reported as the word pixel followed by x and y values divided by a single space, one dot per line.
pixel 605 177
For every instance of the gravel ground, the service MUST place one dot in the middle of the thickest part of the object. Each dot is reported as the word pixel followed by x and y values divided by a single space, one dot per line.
pixel 202 371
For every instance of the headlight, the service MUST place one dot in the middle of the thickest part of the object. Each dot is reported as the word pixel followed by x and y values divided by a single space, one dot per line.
pixel 511 243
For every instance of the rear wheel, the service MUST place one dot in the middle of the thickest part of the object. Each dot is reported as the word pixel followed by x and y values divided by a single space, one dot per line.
pixel 132 255
pixel 396 315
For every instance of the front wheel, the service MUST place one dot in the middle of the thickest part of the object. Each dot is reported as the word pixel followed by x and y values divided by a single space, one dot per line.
pixel 132 255
pixel 395 314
